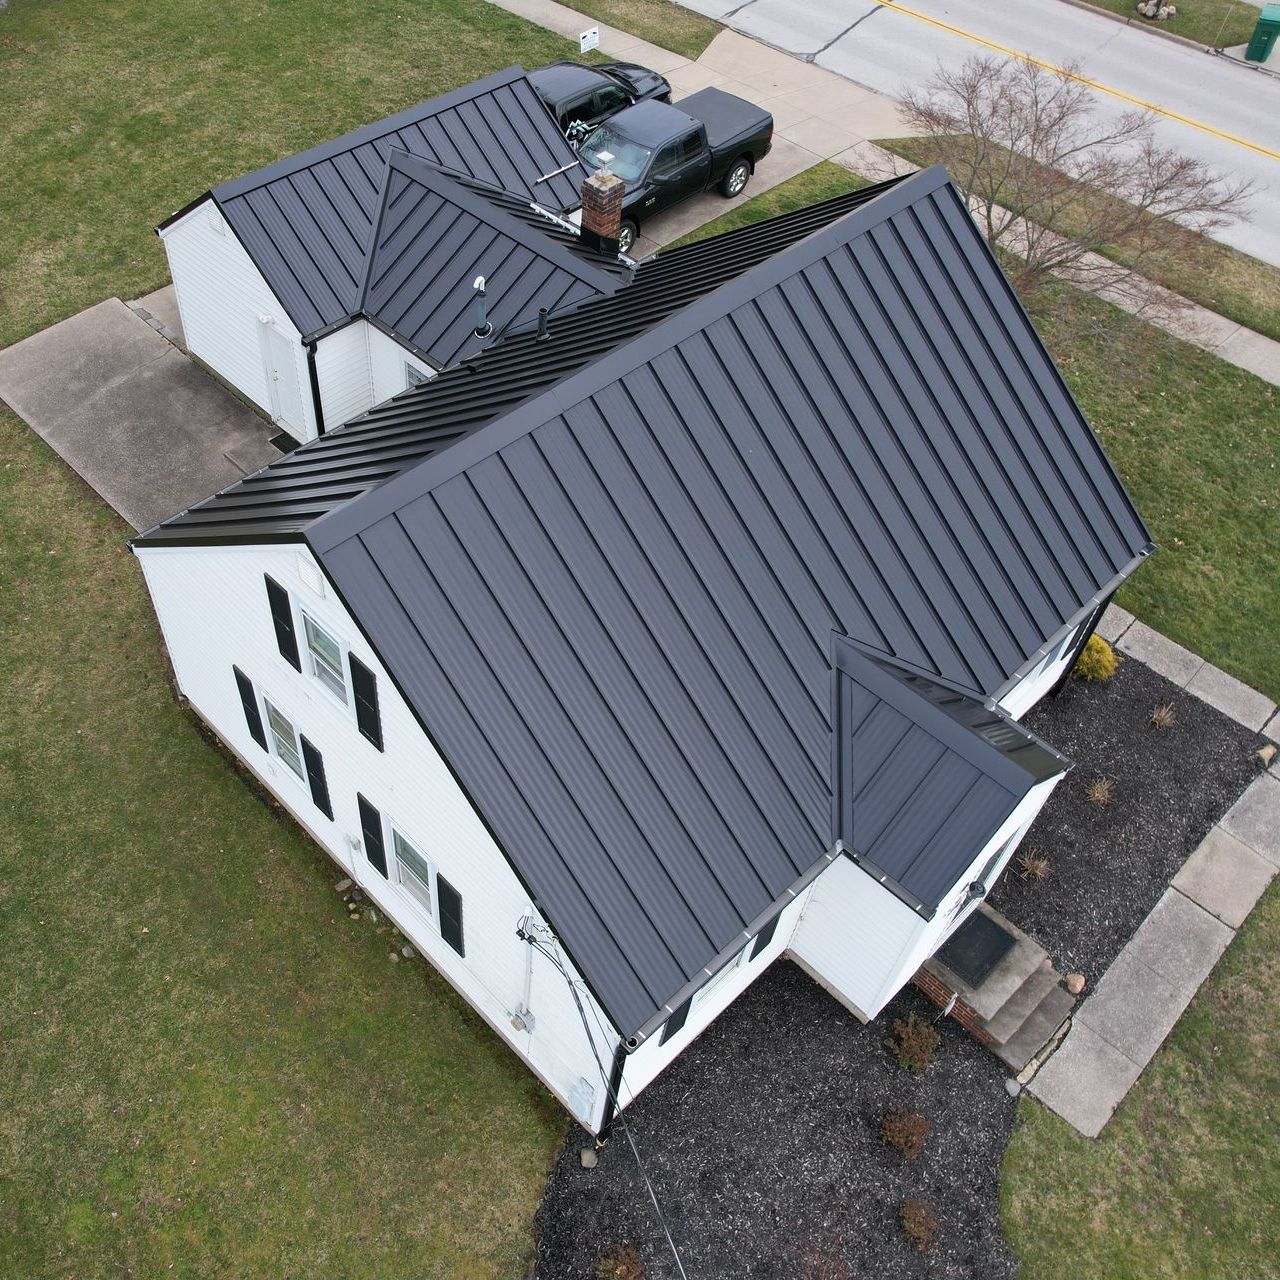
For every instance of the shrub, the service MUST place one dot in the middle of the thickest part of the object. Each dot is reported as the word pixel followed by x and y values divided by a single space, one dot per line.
pixel 621 1264
pixel 914 1042
pixel 1097 661
pixel 1033 865
pixel 1163 717
pixel 1100 791
pixel 919 1222
pixel 904 1131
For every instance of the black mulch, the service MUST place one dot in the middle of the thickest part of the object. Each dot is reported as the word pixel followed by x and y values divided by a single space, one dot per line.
pixel 1108 866
pixel 762 1139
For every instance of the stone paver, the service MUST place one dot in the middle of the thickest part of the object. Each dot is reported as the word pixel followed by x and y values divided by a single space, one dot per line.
pixel 1272 729
pixel 1133 1008
pixel 1180 941
pixel 1232 697
pixel 163 305
pixel 1085 1080
pixel 1115 622
pixel 125 409
pixel 1160 653
pixel 1255 818
pixel 1225 877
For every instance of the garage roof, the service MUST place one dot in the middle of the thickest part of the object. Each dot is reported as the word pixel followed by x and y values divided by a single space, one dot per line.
pixel 613 606
pixel 306 220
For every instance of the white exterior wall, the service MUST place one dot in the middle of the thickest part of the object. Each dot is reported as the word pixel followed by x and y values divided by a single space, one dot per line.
pixel 647 1062
pixel 1041 678
pixel 221 297
pixel 387 359
pixel 212 607
pixel 342 373
pixel 864 943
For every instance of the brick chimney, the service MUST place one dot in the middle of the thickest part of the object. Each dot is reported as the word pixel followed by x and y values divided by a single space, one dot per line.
pixel 602 210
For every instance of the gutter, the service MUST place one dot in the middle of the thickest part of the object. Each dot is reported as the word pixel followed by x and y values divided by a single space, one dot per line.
pixel 612 1101
pixel 314 379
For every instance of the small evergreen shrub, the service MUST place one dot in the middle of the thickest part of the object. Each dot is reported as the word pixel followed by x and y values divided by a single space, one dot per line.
pixel 904 1131
pixel 914 1042
pixel 919 1222
pixel 621 1264
pixel 1097 661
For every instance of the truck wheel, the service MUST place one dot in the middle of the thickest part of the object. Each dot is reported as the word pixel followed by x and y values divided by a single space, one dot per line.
pixel 736 179
pixel 627 233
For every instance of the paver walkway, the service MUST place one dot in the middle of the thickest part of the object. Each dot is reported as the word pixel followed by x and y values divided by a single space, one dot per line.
pixel 1120 1025
pixel 821 115
pixel 145 427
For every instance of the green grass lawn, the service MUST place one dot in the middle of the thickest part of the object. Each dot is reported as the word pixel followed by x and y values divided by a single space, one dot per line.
pixel 1215 23
pixel 1198 444
pixel 661 22
pixel 1215 275
pixel 207 1070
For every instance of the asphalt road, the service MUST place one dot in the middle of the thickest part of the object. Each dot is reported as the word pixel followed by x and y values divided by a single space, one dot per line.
pixel 1232 113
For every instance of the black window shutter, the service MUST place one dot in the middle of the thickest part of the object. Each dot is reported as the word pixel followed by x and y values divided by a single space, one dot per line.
pixel 764 937
pixel 449 902
pixel 249 701
pixel 316 779
pixel 675 1022
pixel 371 830
pixel 282 620
pixel 364 684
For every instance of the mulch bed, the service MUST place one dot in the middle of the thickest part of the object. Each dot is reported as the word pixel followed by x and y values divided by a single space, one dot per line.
pixel 762 1139
pixel 1109 865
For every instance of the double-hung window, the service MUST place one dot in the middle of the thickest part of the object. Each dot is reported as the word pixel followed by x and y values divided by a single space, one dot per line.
pixel 325 656
pixel 284 738
pixel 413 871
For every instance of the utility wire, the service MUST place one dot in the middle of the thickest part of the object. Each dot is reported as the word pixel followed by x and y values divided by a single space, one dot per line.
pixel 536 944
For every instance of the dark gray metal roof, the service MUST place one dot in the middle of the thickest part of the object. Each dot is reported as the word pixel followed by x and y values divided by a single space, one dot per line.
pixel 434 236
pixel 280 501
pixel 613 605
pixel 306 220
pixel 924 776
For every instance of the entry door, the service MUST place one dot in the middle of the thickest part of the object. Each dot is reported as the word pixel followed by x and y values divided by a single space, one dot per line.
pixel 282 379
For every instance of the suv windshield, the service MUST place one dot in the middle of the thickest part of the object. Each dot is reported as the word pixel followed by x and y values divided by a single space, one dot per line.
pixel 629 158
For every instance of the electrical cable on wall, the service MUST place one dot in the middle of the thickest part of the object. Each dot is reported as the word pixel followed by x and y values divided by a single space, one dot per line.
pixel 524 931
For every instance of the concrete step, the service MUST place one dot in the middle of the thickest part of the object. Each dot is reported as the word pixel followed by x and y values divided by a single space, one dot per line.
pixel 1052 1011
pixel 1020 1006
pixel 1026 957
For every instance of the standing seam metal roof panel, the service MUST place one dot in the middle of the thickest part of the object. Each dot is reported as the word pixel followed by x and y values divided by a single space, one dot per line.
pixel 306 220
pixel 573 571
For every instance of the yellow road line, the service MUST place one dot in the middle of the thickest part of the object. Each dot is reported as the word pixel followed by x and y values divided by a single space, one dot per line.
pixel 1071 75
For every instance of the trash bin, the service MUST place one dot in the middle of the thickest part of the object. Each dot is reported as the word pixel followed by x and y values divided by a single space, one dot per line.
pixel 1264 35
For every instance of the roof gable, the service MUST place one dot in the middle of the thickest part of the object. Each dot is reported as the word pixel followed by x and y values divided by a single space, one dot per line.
pixel 434 235
pixel 613 605
pixel 306 220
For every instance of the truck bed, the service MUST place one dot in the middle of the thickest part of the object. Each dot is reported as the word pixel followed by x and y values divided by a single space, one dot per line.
pixel 724 115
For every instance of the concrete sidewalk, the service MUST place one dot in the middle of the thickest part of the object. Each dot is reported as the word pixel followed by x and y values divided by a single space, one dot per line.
pixel 146 428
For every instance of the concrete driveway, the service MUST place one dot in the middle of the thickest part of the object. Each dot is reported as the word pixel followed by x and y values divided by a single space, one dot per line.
pixel 1227 114
pixel 146 428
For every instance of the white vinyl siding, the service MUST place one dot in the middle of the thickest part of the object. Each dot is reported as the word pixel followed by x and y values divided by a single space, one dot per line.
pixel 342 374
pixel 387 363
pixel 222 298
pixel 1041 678
pixel 213 614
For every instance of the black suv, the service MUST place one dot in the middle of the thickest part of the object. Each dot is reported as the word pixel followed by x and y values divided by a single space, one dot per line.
pixel 583 96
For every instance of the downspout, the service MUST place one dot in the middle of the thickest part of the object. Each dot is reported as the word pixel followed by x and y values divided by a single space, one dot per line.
pixel 314 379
pixel 1078 648
pixel 611 1098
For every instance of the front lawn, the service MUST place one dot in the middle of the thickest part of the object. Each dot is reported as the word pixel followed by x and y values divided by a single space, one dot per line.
pixel 661 22
pixel 207 1069
pixel 1198 444
pixel 1213 23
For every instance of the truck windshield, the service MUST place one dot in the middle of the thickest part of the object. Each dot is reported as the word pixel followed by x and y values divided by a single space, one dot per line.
pixel 629 158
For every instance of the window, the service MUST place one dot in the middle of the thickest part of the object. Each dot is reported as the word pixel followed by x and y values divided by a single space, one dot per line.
pixel 579 109
pixel 610 99
pixel 325 656
pixel 413 376
pixel 285 738
pixel 690 146
pixel 667 159
pixel 413 871
pixel 716 979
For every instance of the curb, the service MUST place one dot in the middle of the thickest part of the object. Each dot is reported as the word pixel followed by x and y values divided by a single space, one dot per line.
pixel 1143 24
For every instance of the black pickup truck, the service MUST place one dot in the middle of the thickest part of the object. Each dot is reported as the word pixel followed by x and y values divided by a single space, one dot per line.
pixel 665 154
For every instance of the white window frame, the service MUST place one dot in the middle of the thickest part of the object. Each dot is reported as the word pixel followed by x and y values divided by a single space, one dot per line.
pixel 398 841
pixel 315 662
pixel 299 770
pixel 718 977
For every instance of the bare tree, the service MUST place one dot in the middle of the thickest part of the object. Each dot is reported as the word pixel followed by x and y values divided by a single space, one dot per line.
pixel 1066 191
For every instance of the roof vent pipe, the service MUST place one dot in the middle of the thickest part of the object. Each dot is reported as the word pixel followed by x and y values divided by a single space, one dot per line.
pixel 544 331
pixel 482 327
